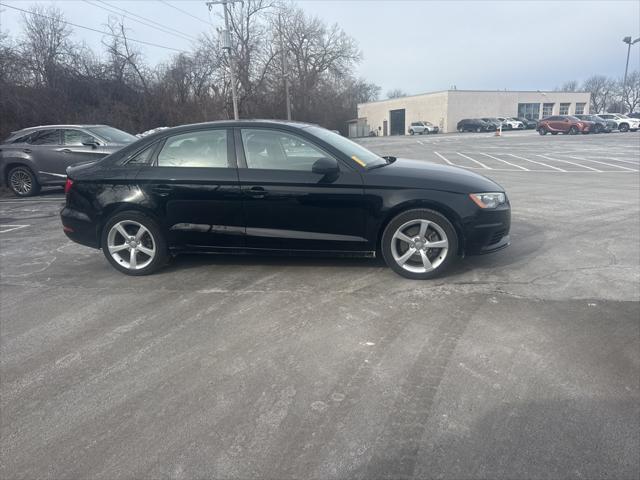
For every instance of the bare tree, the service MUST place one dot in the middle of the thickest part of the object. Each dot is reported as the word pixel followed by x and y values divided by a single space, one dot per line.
pixel 570 86
pixel 46 43
pixel 396 93
pixel 631 94
pixel 602 90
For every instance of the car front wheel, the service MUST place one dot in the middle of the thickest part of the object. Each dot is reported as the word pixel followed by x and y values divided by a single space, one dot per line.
pixel 23 182
pixel 419 244
pixel 134 244
pixel 573 131
pixel 542 131
pixel 623 127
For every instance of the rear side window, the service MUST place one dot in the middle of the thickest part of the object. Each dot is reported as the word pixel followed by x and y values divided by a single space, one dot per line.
pixel 45 137
pixel 22 138
pixel 204 148
pixel 145 157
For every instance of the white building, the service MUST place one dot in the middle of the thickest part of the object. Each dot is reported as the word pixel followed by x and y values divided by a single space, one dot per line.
pixel 448 107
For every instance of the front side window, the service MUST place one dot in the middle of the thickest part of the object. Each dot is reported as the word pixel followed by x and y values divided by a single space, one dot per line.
pixel 547 109
pixel 564 108
pixel 75 137
pixel 45 137
pixel 277 150
pixel 203 148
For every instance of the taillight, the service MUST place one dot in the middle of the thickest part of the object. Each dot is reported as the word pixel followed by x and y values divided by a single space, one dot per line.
pixel 68 185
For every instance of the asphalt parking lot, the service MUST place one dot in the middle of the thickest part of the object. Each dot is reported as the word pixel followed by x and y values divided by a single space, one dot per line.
pixel 520 364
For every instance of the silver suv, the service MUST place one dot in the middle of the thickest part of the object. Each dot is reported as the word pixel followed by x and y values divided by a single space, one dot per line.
pixel 422 128
pixel 38 156
pixel 624 123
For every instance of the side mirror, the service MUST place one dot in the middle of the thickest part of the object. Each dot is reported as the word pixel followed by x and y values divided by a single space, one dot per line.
pixel 325 166
pixel 89 142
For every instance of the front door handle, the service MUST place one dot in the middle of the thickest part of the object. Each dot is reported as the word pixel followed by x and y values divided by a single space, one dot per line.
pixel 257 192
pixel 162 190
pixel 65 150
pixel 26 150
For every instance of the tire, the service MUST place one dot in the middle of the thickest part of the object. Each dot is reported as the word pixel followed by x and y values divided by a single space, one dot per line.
pixel 396 251
pixel 573 131
pixel 23 182
pixel 542 131
pixel 151 239
pixel 478 129
pixel 623 127
pixel 411 132
pixel 460 130
pixel 597 129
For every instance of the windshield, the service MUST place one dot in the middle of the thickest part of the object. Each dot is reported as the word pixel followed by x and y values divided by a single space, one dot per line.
pixel 112 135
pixel 357 153
pixel 622 116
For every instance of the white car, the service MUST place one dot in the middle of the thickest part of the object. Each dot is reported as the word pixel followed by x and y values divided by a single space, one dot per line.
pixel 509 123
pixel 423 128
pixel 624 123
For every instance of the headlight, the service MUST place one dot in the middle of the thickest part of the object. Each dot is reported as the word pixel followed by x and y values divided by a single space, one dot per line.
pixel 488 200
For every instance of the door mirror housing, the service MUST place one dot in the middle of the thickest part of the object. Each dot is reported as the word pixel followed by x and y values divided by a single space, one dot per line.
pixel 325 166
pixel 89 142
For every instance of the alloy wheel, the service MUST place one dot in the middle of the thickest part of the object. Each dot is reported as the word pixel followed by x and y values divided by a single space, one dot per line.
pixel 21 182
pixel 131 245
pixel 419 246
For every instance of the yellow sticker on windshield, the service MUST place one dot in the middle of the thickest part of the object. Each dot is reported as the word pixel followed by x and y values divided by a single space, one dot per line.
pixel 358 161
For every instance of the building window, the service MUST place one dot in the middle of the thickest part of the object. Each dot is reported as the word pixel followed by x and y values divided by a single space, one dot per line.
pixel 547 109
pixel 580 108
pixel 564 108
pixel 530 111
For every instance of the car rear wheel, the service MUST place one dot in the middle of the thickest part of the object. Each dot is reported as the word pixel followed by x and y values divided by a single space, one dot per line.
pixel 460 129
pixel 419 244
pixel 134 244
pixel 623 127
pixel 411 132
pixel 542 131
pixel 478 129
pixel 23 182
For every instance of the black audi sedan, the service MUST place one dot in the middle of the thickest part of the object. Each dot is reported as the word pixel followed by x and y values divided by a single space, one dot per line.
pixel 271 186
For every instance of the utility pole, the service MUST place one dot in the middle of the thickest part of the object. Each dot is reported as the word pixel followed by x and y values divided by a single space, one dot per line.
pixel 284 69
pixel 629 42
pixel 226 45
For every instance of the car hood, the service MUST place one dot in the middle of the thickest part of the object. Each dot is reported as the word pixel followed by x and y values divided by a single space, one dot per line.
pixel 406 173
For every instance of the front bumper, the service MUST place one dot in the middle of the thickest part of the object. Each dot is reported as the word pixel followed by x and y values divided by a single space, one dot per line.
pixel 488 231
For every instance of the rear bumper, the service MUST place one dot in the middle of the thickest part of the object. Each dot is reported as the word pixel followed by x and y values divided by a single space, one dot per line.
pixel 79 227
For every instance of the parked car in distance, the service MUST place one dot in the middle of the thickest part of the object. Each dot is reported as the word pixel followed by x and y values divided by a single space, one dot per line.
pixel 599 124
pixel 509 123
pixel 39 156
pixel 528 123
pixel 624 123
pixel 566 124
pixel 423 127
pixel 493 122
pixel 255 186
pixel 474 125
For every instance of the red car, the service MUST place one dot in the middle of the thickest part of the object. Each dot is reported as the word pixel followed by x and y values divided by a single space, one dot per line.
pixel 565 124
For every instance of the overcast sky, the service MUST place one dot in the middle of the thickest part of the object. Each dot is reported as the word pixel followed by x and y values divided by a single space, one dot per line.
pixel 421 46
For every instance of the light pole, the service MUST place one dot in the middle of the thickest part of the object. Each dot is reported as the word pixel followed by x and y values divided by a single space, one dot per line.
pixel 629 42
pixel 226 45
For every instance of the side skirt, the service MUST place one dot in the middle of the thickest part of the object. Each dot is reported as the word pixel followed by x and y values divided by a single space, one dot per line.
pixel 266 251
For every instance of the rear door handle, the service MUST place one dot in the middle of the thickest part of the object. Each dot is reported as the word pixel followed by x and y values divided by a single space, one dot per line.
pixel 162 190
pixel 65 150
pixel 26 150
pixel 257 192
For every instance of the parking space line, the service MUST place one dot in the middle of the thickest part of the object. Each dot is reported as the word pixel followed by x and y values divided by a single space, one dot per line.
pixel 623 161
pixel 446 159
pixel 476 161
pixel 504 161
pixel 11 228
pixel 572 163
pixel 603 163
pixel 539 163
